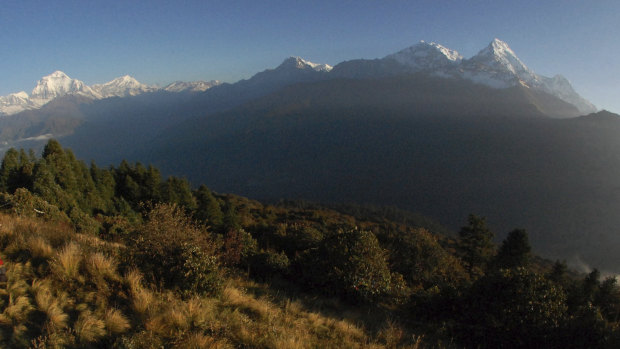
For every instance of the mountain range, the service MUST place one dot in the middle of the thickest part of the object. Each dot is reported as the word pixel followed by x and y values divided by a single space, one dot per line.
pixel 423 129
pixel 496 66
pixel 59 84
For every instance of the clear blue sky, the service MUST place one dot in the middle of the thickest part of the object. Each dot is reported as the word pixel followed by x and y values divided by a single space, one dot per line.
pixel 158 42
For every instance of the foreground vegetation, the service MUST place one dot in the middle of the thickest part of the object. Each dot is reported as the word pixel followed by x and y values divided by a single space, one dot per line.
pixel 119 257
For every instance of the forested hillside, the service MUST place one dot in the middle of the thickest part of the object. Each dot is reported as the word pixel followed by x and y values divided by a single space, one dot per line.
pixel 120 257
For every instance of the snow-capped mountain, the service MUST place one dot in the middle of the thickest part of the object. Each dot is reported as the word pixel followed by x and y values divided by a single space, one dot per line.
pixel 560 87
pixel 299 63
pixel 58 84
pixel 122 87
pixel 15 102
pixel 193 86
pixel 496 66
pixel 427 56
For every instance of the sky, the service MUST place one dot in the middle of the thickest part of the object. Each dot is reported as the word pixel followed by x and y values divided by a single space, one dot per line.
pixel 158 42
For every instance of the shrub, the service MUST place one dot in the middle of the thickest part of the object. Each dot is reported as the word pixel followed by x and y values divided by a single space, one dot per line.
pixel 351 264
pixel 201 271
pixel 266 264
pixel 513 308
pixel 169 246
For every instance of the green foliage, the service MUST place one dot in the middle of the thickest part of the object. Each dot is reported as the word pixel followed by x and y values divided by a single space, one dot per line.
pixel 201 271
pixel 513 308
pixel 423 262
pixel 351 263
pixel 177 191
pixel 266 264
pixel 208 209
pixel 476 243
pixel 515 250
pixel 65 287
pixel 167 247
pixel 238 247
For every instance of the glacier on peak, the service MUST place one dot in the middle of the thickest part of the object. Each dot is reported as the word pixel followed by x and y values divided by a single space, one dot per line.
pixel 192 86
pixel 426 56
pixel 300 63
pixel 122 87
pixel 57 85
pixel 496 66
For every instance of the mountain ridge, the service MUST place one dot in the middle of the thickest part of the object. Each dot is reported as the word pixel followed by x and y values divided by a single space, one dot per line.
pixel 495 65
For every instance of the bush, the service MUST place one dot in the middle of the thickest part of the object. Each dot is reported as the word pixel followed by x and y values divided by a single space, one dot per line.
pixel 201 271
pixel 266 264
pixel 351 264
pixel 167 248
pixel 513 308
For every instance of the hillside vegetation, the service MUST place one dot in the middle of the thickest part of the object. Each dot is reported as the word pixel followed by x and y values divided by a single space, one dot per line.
pixel 119 257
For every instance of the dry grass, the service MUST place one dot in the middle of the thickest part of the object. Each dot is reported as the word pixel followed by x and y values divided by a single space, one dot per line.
pixel 66 264
pixel 89 328
pixel 51 306
pixel 39 247
pixel 75 312
pixel 115 321
pixel 101 267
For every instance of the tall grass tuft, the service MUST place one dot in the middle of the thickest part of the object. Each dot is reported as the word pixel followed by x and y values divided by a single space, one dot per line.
pixel 89 328
pixel 115 321
pixel 52 308
pixel 39 247
pixel 142 299
pixel 100 266
pixel 66 264
pixel 200 341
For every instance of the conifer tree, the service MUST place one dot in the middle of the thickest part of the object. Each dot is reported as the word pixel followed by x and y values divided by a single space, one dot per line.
pixel 208 208
pixel 515 250
pixel 476 244
pixel 8 169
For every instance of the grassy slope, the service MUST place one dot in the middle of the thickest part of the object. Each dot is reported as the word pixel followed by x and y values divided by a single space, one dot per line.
pixel 66 290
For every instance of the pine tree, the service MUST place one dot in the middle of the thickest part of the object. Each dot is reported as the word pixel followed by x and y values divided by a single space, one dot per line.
pixel 515 250
pixel 8 170
pixel 476 244
pixel 208 208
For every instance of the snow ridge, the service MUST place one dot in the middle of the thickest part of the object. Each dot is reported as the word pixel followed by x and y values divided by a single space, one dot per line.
pixel 495 66
pixel 426 56
pixel 294 62
pixel 59 84
pixel 193 86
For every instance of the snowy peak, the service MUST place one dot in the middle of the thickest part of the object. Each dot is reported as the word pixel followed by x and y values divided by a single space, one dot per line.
pixel 499 57
pixel 426 56
pixel 122 87
pixel 299 63
pixel 193 86
pixel 59 84
pixel 560 87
